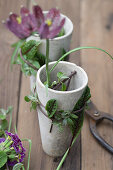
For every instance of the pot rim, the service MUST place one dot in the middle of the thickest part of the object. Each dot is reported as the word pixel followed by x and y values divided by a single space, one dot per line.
pixel 62 92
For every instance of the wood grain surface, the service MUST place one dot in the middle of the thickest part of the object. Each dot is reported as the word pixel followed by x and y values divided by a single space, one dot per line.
pixel 93 26
pixel 97 30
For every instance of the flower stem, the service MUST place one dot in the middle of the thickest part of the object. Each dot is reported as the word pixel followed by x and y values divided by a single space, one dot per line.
pixel 47 61
pixel 77 49
pixel 10 121
pixel 29 153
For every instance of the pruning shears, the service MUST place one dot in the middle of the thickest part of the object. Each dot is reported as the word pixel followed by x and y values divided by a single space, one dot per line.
pixel 96 117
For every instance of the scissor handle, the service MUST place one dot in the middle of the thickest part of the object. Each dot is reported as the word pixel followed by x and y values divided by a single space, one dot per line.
pixel 95 133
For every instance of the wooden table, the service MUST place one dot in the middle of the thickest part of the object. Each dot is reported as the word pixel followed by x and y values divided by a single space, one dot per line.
pixel 93 25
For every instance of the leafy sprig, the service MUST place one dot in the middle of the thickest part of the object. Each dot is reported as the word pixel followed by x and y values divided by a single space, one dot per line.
pixel 68 117
pixel 62 117
pixel 60 76
pixel 3 120
pixel 31 56
pixel 33 99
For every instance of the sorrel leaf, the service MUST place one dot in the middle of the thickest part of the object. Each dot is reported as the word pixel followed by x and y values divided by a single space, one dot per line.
pixel 51 107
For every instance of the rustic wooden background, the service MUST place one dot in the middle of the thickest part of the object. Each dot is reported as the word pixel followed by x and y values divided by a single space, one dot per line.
pixel 93 25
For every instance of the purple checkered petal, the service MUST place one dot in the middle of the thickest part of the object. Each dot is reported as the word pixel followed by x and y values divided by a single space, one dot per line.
pixel 55 31
pixel 44 31
pixel 24 11
pixel 38 13
pixel 16 28
pixel 52 14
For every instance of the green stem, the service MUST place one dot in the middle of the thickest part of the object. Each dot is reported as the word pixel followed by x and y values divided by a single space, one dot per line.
pixel 47 62
pixel 65 155
pixel 29 154
pixel 77 49
pixel 10 122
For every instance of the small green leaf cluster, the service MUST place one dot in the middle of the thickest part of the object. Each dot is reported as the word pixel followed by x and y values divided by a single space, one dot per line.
pixel 33 99
pixel 32 55
pixel 61 33
pixel 72 118
pixel 61 76
pixel 3 119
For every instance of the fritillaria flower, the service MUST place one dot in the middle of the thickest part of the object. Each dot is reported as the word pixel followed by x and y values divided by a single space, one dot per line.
pixel 22 26
pixel 50 24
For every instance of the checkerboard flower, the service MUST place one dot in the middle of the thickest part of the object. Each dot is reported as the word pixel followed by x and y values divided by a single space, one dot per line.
pixel 22 26
pixel 50 24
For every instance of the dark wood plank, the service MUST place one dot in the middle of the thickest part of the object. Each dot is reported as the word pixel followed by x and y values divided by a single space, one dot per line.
pixel 97 30
pixel 28 122
pixel 9 80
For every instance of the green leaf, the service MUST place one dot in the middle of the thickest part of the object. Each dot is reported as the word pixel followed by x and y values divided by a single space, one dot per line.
pixel 83 99
pixel 32 52
pixel 62 32
pixel 63 87
pixel 4 124
pixel 74 116
pixel 70 122
pixel 2 117
pixel 33 105
pixel 41 58
pixel 18 166
pixel 61 75
pixel 27 46
pixel 53 83
pixel 26 98
pixel 3 158
pixel 36 64
pixel 17 46
pixel 51 107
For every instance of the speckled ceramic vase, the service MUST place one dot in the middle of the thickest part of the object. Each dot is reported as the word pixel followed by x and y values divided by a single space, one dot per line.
pixel 56 142
pixel 57 44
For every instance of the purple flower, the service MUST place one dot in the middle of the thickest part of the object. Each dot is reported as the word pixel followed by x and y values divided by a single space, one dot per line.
pixel 17 144
pixel 49 25
pixel 18 147
pixel 2 140
pixel 11 162
pixel 22 26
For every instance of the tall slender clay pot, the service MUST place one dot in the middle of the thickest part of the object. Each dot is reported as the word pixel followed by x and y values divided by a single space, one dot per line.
pixel 57 44
pixel 56 142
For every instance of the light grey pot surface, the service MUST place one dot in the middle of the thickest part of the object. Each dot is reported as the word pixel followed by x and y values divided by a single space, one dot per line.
pixel 56 142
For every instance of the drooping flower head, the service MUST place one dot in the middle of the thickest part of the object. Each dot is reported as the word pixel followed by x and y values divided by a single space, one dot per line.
pixel 50 24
